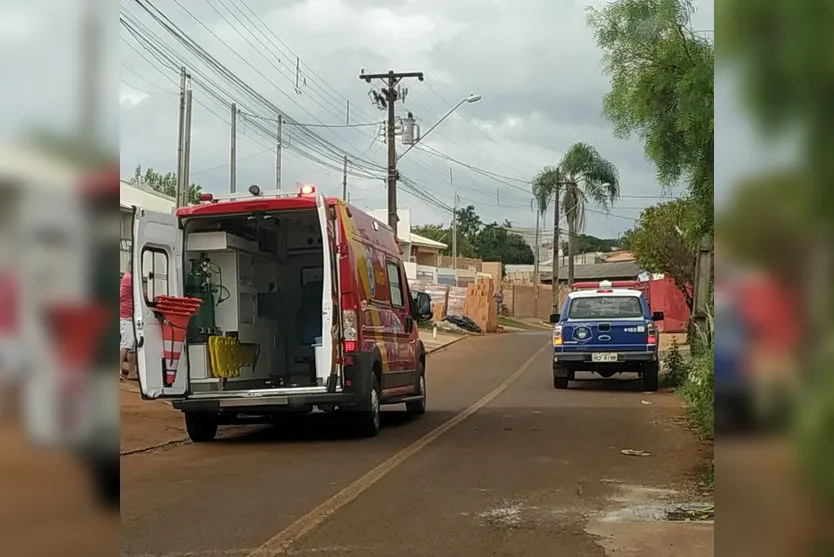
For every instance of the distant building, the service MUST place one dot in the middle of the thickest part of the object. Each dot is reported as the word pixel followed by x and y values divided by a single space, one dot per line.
pixel 142 197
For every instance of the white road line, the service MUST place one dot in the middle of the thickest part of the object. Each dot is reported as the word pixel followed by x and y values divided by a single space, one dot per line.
pixel 283 540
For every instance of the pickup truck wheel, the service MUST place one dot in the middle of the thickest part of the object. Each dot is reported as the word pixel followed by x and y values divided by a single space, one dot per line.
pixel 201 426
pixel 418 407
pixel 650 377
pixel 367 417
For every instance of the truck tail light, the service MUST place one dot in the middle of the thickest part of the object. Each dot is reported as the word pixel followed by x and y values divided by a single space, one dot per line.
pixel 652 335
pixel 557 335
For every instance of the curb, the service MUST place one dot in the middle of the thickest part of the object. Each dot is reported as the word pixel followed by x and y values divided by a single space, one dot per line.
pixel 450 343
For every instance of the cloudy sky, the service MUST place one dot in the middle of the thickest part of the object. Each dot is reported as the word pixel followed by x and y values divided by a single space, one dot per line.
pixel 534 62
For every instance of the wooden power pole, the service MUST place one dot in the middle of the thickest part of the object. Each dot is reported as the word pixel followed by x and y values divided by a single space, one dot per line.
pixel 386 100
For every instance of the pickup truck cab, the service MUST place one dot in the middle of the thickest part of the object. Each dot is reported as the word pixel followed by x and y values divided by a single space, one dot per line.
pixel 607 331
pixel 305 306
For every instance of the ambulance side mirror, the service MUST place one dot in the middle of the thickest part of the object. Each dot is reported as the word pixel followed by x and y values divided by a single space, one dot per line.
pixel 421 308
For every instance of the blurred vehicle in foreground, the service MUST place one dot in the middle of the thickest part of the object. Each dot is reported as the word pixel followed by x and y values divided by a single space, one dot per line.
pixel 53 342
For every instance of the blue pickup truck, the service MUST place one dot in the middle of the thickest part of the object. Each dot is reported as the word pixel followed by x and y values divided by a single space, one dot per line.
pixel 607 331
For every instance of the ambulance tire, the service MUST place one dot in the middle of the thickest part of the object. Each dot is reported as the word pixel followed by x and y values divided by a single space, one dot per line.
pixel 418 407
pixel 366 418
pixel 201 426
pixel 650 377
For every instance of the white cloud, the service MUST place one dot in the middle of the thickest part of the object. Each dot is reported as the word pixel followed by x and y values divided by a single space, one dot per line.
pixel 534 62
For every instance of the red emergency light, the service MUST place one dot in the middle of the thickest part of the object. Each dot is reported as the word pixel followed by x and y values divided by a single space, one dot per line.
pixel 307 190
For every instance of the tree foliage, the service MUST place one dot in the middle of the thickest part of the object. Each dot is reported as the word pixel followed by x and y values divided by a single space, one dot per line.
pixel 469 224
pixel 492 242
pixel 661 74
pixel 165 184
pixel 498 243
pixel 660 242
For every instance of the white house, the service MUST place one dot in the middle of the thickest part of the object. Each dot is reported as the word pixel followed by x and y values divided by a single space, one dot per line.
pixel 132 195
pixel 416 249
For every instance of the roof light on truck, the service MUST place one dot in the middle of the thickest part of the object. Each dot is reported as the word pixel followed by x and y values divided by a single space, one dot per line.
pixel 307 190
pixel 206 197
pixel 605 287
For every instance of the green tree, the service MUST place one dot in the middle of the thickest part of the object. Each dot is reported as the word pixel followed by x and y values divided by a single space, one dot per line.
pixel 662 89
pixel 498 243
pixel 165 184
pixel 661 244
pixel 468 223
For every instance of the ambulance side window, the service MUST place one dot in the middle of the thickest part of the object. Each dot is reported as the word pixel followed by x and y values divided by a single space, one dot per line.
pixel 395 285
pixel 154 273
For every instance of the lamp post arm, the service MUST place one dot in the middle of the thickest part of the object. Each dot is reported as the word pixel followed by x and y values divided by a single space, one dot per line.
pixel 410 147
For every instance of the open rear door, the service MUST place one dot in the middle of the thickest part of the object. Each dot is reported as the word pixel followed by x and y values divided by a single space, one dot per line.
pixel 324 357
pixel 157 271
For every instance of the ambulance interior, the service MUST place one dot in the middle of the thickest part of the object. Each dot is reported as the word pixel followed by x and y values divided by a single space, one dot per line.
pixel 261 281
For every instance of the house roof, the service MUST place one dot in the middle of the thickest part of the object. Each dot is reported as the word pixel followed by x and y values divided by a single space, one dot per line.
pixel 421 241
pixel 620 256
pixel 145 197
pixel 599 271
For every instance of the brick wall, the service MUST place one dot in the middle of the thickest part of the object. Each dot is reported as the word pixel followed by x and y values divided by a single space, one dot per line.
pixel 493 268
pixel 522 301
pixel 463 262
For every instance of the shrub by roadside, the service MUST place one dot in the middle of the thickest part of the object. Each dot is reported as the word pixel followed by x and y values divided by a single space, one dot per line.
pixel 698 392
pixel 676 369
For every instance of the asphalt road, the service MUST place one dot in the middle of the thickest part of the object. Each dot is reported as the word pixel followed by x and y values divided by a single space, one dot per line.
pixel 502 464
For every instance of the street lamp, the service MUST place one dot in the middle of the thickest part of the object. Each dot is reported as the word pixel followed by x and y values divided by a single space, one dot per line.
pixel 469 99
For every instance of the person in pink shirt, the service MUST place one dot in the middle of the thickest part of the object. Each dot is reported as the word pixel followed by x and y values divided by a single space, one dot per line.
pixel 127 354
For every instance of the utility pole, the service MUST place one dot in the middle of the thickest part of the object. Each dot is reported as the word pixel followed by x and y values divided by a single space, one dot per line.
pixel 454 227
pixel 344 164
pixel 186 172
pixel 278 148
pixel 233 152
pixel 181 138
pixel 386 100
pixel 555 259
pixel 701 290
pixel 536 250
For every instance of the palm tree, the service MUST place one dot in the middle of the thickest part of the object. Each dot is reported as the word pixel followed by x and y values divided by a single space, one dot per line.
pixel 587 177
pixel 546 186
pixel 581 176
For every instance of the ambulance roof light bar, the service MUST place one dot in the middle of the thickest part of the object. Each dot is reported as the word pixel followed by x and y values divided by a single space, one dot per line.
pixel 605 287
pixel 307 190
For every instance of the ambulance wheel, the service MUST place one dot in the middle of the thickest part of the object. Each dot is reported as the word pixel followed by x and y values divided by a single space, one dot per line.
pixel 650 377
pixel 366 418
pixel 418 407
pixel 201 426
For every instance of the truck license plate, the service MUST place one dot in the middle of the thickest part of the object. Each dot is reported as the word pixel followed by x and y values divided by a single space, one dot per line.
pixel 604 357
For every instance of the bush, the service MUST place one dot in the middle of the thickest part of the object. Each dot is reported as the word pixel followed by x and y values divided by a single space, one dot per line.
pixel 676 368
pixel 698 392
